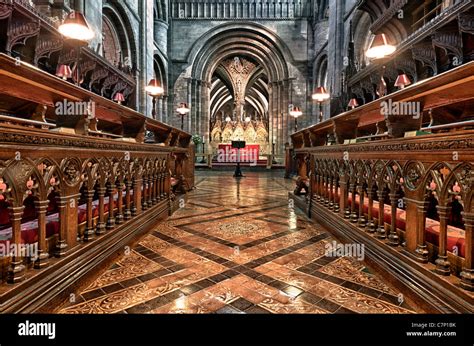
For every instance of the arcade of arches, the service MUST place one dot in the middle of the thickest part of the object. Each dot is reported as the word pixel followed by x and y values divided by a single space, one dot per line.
pixel 357 193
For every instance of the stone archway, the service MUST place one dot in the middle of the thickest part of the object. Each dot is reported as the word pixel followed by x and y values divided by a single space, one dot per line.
pixel 246 40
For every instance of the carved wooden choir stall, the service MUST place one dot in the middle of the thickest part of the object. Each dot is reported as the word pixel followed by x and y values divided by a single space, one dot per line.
pixel 402 185
pixel 81 177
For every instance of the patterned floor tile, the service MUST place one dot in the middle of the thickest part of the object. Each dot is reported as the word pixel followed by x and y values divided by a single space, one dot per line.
pixel 236 247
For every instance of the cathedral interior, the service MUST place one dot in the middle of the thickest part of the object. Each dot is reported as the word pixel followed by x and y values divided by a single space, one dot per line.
pixel 124 126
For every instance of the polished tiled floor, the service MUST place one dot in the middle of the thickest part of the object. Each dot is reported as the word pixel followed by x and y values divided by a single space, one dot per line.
pixel 237 247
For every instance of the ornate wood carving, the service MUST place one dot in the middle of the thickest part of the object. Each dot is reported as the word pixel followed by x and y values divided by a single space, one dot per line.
pixel 97 76
pixel 425 54
pixel 120 86
pixel 45 47
pixel 368 85
pixel 20 31
pixel 67 57
pixel 406 64
pixel 109 81
pixel 466 22
pixel 450 41
pixel 6 9
pixel 87 66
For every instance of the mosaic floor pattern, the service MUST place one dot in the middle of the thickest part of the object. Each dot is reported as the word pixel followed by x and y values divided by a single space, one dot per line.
pixel 237 247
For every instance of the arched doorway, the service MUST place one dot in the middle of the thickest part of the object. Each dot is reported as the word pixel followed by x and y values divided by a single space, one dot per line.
pixel 210 84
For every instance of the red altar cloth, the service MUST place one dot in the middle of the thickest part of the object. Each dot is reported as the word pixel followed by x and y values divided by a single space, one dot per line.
pixel 250 153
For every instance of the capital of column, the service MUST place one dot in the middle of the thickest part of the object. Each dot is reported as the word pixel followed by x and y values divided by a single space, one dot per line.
pixel 16 213
pixel 64 200
pixel 443 211
pixel 41 206
pixel 101 191
pixel 468 218
pixel 393 197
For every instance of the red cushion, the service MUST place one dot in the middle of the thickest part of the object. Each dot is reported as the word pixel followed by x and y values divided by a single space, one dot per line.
pixel 456 236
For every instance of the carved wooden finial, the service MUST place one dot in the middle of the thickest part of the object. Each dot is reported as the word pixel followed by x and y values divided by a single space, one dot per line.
pixel 39 113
